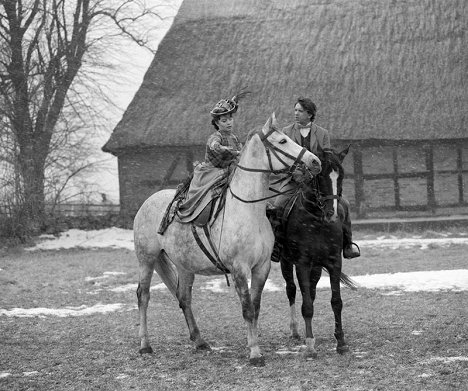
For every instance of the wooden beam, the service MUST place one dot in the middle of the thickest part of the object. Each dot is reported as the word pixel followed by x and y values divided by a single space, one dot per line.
pixel 170 171
pixel 431 201
pixel 396 184
pixel 359 195
pixel 460 174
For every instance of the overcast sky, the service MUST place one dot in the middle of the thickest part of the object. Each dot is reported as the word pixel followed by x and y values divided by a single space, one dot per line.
pixel 130 65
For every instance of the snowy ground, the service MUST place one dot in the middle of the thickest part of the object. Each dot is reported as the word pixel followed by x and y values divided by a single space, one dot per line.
pixel 123 238
pixel 392 283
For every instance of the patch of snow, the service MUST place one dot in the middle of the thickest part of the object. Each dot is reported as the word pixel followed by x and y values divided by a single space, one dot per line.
pixel 219 285
pixel 133 287
pixel 447 360
pixel 220 349
pixel 113 273
pixel 293 350
pixel 392 293
pixel 417 332
pixel 75 238
pixel 123 238
pixel 104 276
pixel 412 242
pixel 428 281
pixel 66 311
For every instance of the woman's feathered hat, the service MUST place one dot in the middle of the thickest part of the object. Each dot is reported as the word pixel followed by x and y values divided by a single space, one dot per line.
pixel 228 106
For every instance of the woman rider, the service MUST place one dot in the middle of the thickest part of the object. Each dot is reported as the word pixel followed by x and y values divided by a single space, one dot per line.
pixel 222 148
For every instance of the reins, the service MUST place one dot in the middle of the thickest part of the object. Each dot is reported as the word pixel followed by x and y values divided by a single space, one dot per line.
pixel 320 199
pixel 288 170
pixel 213 255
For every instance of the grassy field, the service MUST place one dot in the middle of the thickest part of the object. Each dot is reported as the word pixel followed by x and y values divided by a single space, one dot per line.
pixel 398 342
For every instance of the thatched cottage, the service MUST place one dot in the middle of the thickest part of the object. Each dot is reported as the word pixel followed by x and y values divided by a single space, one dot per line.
pixel 389 78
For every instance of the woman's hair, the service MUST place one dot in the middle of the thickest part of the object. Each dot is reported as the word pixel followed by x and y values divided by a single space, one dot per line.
pixel 213 122
pixel 308 106
pixel 216 118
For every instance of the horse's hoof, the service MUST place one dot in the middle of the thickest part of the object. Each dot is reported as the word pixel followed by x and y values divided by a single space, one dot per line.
pixel 148 350
pixel 203 347
pixel 257 361
pixel 342 349
pixel 295 337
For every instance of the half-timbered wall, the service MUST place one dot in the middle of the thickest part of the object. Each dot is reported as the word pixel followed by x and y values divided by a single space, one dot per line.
pixel 143 172
pixel 380 175
pixel 406 176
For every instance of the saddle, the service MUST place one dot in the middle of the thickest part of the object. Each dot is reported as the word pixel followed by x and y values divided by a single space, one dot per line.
pixel 200 219
pixel 207 214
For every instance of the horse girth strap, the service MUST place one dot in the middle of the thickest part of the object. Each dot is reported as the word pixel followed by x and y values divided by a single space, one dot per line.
pixel 215 260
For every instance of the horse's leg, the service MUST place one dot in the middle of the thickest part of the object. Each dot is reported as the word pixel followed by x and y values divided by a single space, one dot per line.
pixel 337 306
pixel 287 269
pixel 146 263
pixel 308 277
pixel 250 301
pixel 184 296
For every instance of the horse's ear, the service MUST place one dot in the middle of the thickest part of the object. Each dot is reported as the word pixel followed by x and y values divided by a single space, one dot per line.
pixel 320 153
pixel 274 122
pixel 267 125
pixel 342 154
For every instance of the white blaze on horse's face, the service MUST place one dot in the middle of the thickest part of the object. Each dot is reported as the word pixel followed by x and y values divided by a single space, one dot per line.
pixel 334 179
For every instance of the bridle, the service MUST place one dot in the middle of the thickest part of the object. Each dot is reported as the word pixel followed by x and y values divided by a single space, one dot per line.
pixel 320 199
pixel 272 149
pixel 275 151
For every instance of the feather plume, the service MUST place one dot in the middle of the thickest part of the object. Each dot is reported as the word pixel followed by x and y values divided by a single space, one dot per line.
pixel 241 94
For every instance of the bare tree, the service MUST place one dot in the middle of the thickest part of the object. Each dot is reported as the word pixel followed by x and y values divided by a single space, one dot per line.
pixel 44 45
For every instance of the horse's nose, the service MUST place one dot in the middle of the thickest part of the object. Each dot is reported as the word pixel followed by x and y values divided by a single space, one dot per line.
pixel 330 216
pixel 315 167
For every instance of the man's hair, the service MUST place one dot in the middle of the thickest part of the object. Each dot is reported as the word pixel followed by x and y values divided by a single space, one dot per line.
pixel 308 106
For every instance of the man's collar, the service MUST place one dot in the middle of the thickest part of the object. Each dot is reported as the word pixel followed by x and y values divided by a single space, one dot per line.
pixel 300 126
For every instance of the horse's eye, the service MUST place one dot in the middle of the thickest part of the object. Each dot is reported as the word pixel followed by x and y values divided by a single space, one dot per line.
pixel 283 141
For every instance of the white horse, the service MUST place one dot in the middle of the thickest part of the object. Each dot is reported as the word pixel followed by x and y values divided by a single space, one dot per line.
pixel 242 230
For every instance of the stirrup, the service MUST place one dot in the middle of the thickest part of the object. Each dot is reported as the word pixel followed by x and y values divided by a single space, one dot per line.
pixel 353 252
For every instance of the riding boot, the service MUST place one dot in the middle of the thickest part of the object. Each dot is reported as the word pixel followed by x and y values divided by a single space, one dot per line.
pixel 276 220
pixel 350 249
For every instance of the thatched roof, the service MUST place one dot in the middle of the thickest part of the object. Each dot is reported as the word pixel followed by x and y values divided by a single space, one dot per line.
pixel 376 69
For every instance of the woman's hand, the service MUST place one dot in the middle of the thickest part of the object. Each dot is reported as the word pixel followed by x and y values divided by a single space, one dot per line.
pixel 230 149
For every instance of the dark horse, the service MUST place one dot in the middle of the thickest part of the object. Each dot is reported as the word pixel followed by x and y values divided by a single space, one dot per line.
pixel 314 240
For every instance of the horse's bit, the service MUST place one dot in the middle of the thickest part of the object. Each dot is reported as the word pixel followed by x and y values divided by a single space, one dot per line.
pixel 319 197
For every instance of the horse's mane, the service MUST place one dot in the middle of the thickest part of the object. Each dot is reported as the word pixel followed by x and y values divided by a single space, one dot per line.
pixel 330 156
pixel 252 133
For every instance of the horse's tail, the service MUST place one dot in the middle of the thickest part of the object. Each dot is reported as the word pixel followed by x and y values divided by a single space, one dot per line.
pixel 348 281
pixel 168 272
